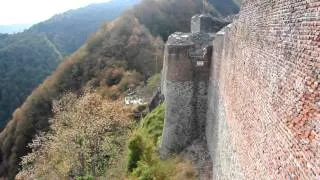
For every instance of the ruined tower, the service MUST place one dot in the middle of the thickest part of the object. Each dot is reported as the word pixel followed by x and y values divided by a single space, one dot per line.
pixel 186 74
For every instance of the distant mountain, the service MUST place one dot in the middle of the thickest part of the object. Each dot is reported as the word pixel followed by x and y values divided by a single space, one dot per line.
pixel 226 7
pixel 16 28
pixel 68 31
pixel 27 58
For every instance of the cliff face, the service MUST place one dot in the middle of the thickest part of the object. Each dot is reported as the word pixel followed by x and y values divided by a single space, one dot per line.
pixel 263 115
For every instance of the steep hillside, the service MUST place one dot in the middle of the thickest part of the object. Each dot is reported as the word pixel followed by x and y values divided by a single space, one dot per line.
pixel 121 55
pixel 143 160
pixel 68 31
pixel 123 45
pixel 27 58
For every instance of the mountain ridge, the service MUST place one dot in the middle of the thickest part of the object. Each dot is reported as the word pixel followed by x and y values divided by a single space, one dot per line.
pixel 66 25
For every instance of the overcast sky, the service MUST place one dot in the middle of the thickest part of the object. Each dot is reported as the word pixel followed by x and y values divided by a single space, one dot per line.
pixel 34 11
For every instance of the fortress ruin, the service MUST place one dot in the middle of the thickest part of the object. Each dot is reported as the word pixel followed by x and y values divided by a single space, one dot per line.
pixel 251 92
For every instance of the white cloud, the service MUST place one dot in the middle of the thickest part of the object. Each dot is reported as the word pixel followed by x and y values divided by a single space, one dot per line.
pixel 34 11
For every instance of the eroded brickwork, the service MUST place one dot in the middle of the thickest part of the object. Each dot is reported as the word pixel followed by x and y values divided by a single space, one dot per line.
pixel 264 93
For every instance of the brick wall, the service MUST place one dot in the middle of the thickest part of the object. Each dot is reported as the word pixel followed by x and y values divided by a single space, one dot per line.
pixel 264 96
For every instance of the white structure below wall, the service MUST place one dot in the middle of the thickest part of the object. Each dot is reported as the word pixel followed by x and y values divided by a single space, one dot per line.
pixel 134 100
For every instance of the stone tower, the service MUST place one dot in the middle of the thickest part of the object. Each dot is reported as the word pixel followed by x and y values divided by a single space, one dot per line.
pixel 185 82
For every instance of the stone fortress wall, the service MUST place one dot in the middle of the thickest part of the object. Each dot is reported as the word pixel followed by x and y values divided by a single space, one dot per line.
pixel 263 120
pixel 259 102
pixel 186 72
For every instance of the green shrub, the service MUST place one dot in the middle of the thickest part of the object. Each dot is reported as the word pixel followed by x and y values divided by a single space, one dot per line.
pixel 85 178
pixel 144 140
pixel 153 124
pixel 143 160
pixel 154 81
pixel 135 152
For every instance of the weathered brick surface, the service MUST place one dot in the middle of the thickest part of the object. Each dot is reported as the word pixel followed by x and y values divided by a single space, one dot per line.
pixel 220 143
pixel 264 88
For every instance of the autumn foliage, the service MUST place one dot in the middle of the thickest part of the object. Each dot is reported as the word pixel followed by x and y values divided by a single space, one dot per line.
pixel 87 134
pixel 109 50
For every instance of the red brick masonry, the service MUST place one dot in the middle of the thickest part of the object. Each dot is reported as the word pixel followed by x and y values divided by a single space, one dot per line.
pixel 269 80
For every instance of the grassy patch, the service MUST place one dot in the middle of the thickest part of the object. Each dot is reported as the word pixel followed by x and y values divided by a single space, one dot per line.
pixel 143 161
pixel 154 81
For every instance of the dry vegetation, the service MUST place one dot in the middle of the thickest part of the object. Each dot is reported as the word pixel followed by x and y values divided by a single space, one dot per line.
pixel 87 140
pixel 87 135
pixel 109 62
pixel 27 58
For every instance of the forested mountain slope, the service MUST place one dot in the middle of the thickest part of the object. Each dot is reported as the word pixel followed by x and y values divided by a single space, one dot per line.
pixel 122 54
pixel 68 31
pixel 226 7
pixel 27 58
pixel 102 63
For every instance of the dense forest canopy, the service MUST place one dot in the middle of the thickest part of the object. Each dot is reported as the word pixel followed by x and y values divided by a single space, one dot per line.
pixel 122 54
pixel 27 58
pixel 24 63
